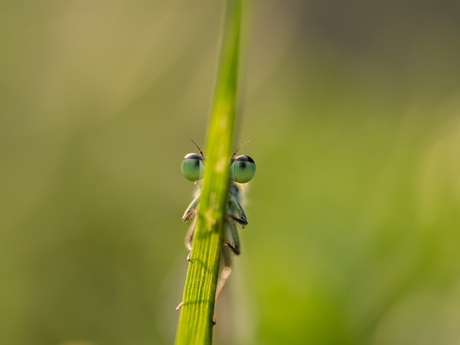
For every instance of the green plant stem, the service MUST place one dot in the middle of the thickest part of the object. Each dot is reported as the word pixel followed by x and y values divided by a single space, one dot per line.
pixel 196 318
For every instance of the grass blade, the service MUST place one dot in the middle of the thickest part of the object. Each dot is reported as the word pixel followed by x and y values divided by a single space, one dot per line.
pixel 196 319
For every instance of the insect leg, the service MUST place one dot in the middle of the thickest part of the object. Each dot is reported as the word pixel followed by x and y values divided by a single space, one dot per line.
pixel 234 244
pixel 234 208
pixel 189 235
pixel 191 210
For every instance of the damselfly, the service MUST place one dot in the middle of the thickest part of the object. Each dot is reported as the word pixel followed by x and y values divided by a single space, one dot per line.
pixel 242 170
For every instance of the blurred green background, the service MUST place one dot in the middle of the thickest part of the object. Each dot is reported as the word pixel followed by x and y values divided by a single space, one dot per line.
pixel 352 112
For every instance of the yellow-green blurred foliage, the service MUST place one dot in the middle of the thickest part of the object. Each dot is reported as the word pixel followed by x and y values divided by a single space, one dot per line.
pixel 352 110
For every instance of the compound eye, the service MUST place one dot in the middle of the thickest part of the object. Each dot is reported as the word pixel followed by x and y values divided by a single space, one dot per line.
pixel 192 167
pixel 242 169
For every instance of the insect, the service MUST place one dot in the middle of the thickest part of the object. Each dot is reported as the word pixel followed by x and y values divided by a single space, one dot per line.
pixel 242 170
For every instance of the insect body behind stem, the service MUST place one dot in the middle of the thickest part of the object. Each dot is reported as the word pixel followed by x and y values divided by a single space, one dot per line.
pixel 242 170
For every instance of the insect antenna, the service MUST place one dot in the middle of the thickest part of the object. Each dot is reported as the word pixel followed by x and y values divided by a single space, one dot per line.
pixel 201 152
pixel 236 151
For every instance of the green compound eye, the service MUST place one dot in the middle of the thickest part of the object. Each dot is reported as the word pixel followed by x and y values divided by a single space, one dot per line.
pixel 242 169
pixel 192 167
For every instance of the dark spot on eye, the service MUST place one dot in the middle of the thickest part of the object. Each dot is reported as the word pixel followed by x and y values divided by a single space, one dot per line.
pixel 242 165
